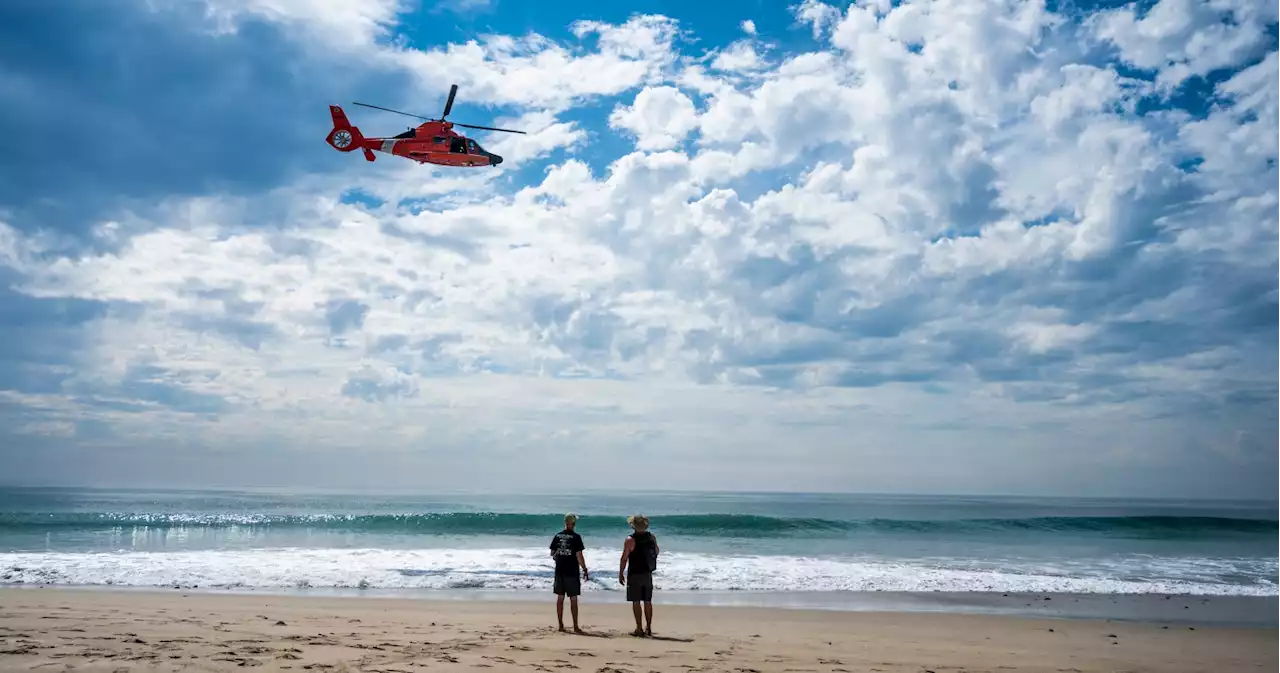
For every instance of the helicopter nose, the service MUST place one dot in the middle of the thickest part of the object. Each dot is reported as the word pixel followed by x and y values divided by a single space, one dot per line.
pixel 494 159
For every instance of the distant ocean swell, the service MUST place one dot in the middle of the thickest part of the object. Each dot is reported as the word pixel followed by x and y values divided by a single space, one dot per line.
pixel 710 525
pixel 527 569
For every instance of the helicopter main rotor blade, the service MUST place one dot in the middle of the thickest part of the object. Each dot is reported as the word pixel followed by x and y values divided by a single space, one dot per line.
pixel 453 91
pixel 486 128
pixel 395 111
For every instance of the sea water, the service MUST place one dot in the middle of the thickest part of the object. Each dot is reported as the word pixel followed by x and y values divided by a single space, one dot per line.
pixel 711 542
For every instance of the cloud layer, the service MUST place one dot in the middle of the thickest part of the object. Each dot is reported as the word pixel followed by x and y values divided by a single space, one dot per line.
pixel 943 247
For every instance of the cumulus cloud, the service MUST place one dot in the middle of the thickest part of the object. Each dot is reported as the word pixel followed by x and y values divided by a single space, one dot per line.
pixel 1180 39
pixel 533 70
pixel 740 57
pixel 953 247
pixel 660 118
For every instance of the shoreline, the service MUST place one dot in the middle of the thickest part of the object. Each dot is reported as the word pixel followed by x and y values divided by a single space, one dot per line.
pixel 1164 609
pixel 174 630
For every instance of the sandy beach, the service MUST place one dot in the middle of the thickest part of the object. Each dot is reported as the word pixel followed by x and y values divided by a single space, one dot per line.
pixel 91 630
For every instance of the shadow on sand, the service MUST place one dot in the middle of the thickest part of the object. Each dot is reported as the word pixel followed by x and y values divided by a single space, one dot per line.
pixel 591 634
pixel 672 639
pixel 614 634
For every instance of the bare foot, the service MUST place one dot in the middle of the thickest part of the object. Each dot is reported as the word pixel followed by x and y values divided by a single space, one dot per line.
pixel 638 633
pixel 648 633
pixel 578 631
pixel 562 629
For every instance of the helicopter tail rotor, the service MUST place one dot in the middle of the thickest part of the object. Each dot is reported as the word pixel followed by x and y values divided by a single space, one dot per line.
pixel 344 137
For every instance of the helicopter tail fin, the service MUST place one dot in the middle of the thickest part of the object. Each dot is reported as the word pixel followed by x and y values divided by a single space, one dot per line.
pixel 345 137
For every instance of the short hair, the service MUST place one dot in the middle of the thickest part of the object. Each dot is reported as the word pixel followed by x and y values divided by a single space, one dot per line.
pixel 638 521
pixel 571 518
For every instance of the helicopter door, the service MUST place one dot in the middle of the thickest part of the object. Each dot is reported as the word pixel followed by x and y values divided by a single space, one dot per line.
pixel 457 145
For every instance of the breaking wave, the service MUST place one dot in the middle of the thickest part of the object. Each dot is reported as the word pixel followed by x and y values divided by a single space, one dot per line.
pixel 707 525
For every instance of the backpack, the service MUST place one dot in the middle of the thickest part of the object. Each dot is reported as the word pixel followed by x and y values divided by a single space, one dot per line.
pixel 651 552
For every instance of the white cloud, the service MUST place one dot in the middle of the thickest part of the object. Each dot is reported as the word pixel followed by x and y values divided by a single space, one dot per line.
pixel 942 232
pixel 659 117
pixel 1185 38
pixel 1044 337
pixel 818 15
pixel 336 23
pixel 537 72
pixel 739 57
pixel 543 132
pixel 748 26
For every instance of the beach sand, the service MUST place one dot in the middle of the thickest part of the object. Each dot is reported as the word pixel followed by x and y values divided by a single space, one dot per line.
pixel 91 630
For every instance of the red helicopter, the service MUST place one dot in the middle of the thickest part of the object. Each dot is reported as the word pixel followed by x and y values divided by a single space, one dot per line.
pixel 433 142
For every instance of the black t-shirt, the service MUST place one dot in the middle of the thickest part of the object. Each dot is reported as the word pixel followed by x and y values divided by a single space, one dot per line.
pixel 566 544
pixel 643 555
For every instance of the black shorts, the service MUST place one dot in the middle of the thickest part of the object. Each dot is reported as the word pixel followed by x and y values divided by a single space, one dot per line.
pixel 568 583
pixel 640 587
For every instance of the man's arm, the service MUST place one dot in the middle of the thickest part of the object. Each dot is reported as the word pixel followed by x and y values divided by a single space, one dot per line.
pixel 622 564
pixel 582 561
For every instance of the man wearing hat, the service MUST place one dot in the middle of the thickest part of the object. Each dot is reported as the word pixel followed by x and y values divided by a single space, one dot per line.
pixel 566 549
pixel 635 571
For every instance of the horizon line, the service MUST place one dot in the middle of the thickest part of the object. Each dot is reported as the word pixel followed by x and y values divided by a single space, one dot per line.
pixel 428 492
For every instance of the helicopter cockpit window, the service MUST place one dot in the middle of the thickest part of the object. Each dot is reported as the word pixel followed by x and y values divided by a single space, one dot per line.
pixel 439 140
pixel 458 146
pixel 472 147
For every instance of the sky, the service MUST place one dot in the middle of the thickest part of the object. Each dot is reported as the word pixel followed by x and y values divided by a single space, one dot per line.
pixel 924 247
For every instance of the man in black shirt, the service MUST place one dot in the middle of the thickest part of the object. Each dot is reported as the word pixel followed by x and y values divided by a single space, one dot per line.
pixel 566 549
pixel 635 572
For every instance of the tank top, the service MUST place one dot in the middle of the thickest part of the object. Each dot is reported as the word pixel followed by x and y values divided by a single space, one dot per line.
pixel 642 555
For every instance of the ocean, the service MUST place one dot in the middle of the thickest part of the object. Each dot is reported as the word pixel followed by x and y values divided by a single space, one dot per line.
pixel 720 543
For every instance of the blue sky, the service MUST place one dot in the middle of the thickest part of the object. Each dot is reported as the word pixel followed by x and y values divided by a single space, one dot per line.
pixel 919 247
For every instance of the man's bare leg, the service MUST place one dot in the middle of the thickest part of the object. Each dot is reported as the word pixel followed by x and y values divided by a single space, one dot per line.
pixel 635 608
pixel 573 608
pixel 560 610
pixel 648 619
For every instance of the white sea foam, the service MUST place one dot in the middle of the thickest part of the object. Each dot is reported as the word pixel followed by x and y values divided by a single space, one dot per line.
pixel 530 569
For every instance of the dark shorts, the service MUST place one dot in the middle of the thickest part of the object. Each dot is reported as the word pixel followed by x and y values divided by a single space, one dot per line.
pixel 640 587
pixel 568 583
